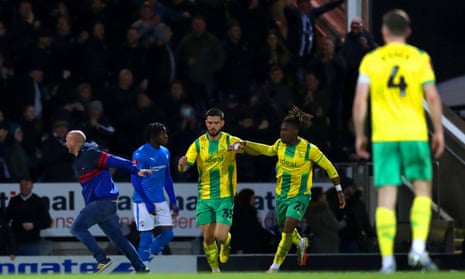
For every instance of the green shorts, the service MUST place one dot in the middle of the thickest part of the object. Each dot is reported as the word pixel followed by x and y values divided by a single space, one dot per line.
pixel 391 160
pixel 294 207
pixel 215 211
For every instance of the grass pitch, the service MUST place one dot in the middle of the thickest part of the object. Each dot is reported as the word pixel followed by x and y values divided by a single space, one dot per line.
pixel 260 275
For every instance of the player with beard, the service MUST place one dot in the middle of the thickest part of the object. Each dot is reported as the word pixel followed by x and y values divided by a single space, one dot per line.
pixel 216 187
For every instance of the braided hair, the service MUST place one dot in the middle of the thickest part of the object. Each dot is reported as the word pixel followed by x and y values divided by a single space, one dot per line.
pixel 299 118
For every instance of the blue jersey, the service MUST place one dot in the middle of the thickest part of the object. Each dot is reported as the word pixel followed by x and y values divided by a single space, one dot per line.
pixel 157 160
pixel 92 167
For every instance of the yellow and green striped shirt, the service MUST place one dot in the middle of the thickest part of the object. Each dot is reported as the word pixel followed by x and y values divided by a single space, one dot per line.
pixel 294 169
pixel 215 164
pixel 396 74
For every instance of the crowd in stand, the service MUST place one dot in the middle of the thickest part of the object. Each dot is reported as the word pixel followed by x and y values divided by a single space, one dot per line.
pixel 109 67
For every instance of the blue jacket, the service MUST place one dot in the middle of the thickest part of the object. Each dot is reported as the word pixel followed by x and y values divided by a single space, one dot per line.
pixel 92 168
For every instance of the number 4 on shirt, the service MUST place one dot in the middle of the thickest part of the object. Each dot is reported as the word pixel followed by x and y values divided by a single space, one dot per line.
pixel 402 85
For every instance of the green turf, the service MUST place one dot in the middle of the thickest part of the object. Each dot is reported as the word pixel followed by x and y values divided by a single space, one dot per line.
pixel 260 275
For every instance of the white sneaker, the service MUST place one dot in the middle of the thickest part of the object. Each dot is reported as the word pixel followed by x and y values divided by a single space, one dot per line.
pixel 421 260
pixel 302 251
pixel 272 270
pixel 388 269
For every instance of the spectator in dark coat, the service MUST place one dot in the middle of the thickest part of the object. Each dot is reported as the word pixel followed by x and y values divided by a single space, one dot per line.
pixel 249 234
pixel 7 239
pixel 56 161
pixel 29 215
pixel 358 234
pixel 322 224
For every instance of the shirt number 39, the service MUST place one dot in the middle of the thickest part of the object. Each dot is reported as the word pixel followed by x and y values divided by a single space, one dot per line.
pixel 401 85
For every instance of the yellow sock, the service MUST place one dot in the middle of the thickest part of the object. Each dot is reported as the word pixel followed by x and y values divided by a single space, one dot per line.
pixel 283 248
pixel 386 230
pixel 296 237
pixel 420 218
pixel 211 251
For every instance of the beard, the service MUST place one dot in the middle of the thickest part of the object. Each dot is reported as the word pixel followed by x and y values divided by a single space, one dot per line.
pixel 213 133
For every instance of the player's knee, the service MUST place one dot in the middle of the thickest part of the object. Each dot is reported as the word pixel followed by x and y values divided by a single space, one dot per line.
pixel 221 237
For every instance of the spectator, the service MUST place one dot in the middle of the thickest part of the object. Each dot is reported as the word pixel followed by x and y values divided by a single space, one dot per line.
pixel 7 75
pixel 166 13
pixel 121 96
pixel 277 92
pixel 99 193
pixel 249 235
pixel 146 24
pixel 277 12
pixel 136 118
pixel 24 26
pixel 199 55
pixel 98 127
pixel 32 131
pixel 29 214
pixel 322 225
pixel 313 99
pixel 172 101
pixel 187 128
pixel 161 63
pixel 13 158
pixel 254 20
pixel 237 74
pixel 56 162
pixel 356 44
pixel 65 45
pixel 33 91
pixel 249 168
pixel 40 53
pixel 131 55
pixel 358 233
pixel 95 59
pixel 7 239
pixel 5 175
pixel 331 67
pixel 301 37
pixel 17 159
pixel 274 53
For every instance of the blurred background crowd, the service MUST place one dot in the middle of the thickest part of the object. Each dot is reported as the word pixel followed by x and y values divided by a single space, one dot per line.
pixel 109 67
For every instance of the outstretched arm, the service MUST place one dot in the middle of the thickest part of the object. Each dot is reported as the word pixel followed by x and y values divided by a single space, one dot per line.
pixel 254 148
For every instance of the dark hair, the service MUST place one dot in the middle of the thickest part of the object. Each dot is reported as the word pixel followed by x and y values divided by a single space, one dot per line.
pixel 215 112
pixel 397 22
pixel 243 197
pixel 298 118
pixel 153 129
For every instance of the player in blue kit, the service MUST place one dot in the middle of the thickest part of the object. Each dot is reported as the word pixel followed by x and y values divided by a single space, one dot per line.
pixel 151 210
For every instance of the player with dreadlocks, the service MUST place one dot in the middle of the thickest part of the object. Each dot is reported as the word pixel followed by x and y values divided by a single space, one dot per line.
pixel 150 207
pixel 294 171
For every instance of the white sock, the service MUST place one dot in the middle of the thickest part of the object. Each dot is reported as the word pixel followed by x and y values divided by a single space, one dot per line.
pixel 274 266
pixel 388 261
pixel 418 246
